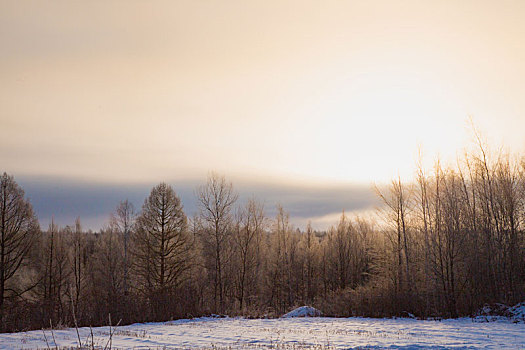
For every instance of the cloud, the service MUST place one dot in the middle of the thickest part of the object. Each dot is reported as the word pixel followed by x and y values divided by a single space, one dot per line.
pixel 66 200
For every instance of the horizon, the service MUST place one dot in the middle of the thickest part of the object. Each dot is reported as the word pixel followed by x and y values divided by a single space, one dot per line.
pixel 93 203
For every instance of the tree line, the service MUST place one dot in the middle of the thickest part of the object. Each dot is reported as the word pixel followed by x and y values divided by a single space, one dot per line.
pixel 445 244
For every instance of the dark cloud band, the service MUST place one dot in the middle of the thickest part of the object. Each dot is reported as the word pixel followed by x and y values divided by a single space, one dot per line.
pixel 65 200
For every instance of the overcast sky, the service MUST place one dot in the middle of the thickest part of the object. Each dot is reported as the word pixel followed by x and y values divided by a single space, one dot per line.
pixel 100 100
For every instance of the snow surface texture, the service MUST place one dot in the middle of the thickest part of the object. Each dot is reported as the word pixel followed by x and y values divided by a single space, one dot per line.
pixel 501 312
pixel 518 312
pixel 303 311
pixel 287 333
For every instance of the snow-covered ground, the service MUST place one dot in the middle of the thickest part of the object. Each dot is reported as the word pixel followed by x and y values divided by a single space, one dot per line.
pixel 286 333
pixel 303 311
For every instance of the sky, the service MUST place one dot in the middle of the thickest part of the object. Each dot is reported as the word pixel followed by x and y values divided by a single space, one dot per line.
pixel 303 103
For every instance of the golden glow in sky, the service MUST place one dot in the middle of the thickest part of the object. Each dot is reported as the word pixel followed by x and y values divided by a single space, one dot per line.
pixel 339 91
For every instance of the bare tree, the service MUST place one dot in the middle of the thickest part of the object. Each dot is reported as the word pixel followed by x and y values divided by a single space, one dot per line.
pixel 108 271
pixel 310 246
pixel 247 238
pixel 79 260
pixel 448 234
pixel 123 219
pixel 18 229
pixel 284 271
pixel 343 240
pixel 216 203
pixel 161 245
pixel 55 274
pixel 398 203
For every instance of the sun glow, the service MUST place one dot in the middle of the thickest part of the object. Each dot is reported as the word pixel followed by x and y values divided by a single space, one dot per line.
pixel 346 92
pixel 371 128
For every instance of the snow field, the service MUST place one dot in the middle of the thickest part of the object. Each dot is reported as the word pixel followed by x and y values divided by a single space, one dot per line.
pixel 285 333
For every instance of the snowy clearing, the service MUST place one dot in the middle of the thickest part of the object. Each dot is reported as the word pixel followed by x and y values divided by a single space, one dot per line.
pixel 286 333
